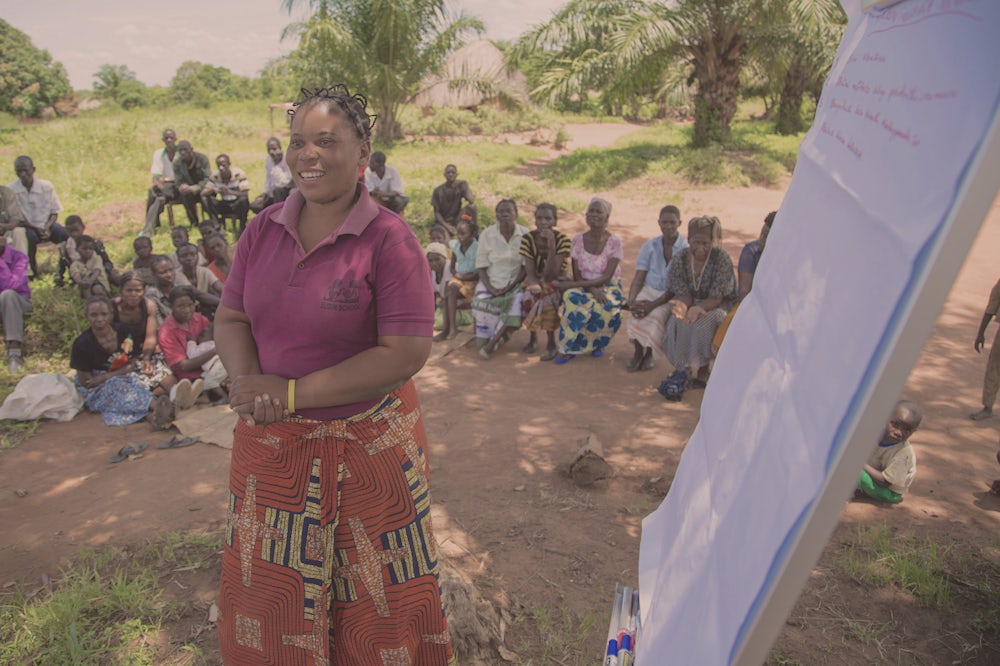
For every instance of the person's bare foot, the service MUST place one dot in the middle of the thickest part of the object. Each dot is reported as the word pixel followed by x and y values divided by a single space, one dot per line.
pixel 549 354
pixel 452 335
pixel 530 348
pixel 484 353
pixel 647 363
pixel 443 335
pixel 983 413
pixel 634 363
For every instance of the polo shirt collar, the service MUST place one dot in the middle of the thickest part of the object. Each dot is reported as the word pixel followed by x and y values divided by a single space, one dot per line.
pixel 365 211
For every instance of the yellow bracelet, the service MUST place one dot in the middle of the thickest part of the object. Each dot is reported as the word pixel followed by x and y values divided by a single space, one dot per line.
pixel 291 396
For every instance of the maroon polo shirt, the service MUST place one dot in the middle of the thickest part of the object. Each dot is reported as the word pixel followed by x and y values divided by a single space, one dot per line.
pixel 310 311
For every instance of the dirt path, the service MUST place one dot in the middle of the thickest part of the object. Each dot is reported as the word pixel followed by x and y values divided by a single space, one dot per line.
pixel 501 434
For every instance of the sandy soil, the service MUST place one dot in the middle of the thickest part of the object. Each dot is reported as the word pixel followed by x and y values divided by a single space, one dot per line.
pixel 501 435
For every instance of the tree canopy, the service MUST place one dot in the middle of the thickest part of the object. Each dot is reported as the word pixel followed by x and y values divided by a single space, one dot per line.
pixel 381 48
pixel 30 81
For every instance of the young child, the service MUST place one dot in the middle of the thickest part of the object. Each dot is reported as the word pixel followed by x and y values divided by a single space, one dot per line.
pixel 207 287
pixel 437 259
pixel 88 272
pixel 207 228
pixel 438 234
pixel 462 285
pixel 179 237
pixel 68 253
pixel 546 252
pixel 183 325
pixel 892 465
pixel 143 264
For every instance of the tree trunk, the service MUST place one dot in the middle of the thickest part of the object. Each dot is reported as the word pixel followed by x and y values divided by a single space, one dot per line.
pixel 717 68
pixel 387 128
pixel 789 119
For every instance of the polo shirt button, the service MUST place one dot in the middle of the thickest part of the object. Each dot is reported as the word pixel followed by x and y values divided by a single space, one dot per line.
pixel 302 264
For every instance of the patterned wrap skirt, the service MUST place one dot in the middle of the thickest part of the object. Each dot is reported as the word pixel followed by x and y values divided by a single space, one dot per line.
pixel 541 311
pixel 329 556
pixel 121 400
pixel 587 325
pixel 493 313
pixel 649 330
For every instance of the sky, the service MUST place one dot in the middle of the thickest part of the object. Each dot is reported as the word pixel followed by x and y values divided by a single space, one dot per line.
pixel 154 38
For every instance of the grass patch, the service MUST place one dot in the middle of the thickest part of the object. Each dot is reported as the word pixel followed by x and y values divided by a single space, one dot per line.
pixel 561 637
pixel 876 557
pixel 13 433
pixel 107 608
pixel 754 155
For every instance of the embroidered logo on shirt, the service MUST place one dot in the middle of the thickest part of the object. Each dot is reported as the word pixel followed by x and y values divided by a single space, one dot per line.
pixel 343 295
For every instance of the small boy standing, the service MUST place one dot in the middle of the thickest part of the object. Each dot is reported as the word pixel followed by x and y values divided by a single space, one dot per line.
pixel 87 272
pixel 893 464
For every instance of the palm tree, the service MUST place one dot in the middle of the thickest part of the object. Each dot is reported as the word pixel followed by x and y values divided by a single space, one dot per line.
pixel 382 48
pixel 637 44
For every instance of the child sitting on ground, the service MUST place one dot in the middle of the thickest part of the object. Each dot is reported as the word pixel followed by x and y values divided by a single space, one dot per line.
pixel 892 465
pixel 143 264
pixel 185 324
pixel 68 253
pixel 87 272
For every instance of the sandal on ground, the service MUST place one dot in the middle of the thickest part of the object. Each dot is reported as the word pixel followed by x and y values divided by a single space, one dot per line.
pixel 672 388
pixel 177 442
pixel 597 353
pixel 129 451
pixel 563 359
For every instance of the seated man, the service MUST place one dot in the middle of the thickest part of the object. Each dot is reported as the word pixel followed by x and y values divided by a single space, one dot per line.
pixel 164 188
pixel 385 184
pixel 12 220
pixel 447 199
pixel 277 178
pixel 40 206
pixel 191 174
pixel 68 253
pixel 227 193
pixel 892 466
pixel 88 271
pixel 15 301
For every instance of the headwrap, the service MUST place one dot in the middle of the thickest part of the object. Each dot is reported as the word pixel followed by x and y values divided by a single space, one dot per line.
pixel 437 248
pixel 708 224
pixel 604 204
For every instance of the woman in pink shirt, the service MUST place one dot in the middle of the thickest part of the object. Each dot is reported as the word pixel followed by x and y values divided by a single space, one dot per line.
pixel 326 314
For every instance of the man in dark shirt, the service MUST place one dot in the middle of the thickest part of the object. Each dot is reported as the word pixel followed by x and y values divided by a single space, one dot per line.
pixel 447 199
pixel 191 173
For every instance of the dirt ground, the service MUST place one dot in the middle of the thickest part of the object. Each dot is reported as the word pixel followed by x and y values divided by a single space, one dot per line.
pixel 501 434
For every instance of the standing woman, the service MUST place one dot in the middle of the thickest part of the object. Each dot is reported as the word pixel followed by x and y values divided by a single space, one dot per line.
pixel 326 314
pixel 496 306
pixel 592 300
pixel 704 286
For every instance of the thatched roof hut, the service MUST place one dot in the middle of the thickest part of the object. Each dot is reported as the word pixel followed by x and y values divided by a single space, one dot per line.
pixel 472 75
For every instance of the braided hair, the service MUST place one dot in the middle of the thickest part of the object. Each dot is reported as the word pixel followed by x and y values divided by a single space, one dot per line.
pixel 354 106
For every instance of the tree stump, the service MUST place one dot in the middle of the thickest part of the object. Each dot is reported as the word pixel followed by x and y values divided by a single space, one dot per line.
pixel 589 466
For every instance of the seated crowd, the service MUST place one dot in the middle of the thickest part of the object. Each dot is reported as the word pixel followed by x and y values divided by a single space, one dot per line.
pixel 147 350
pixel 681 298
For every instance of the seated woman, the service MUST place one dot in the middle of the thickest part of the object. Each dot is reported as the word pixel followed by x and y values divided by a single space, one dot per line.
pixel 648 295
pixel 462 285
pixel 496 306
pixel 592 300
pixel 137 313
pixel 108 366
pixel 704 287
pixel 220 264
pixel 545 251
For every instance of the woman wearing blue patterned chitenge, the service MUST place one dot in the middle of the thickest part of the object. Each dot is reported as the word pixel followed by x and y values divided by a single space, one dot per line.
pixel 496 306
pixel 702 280
pixel 592 300
pixel 107 366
